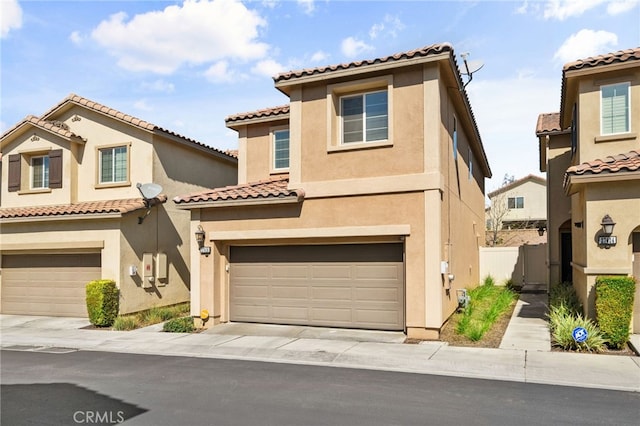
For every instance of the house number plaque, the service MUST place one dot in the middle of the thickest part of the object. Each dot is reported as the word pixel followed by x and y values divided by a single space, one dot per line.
pixel 607 241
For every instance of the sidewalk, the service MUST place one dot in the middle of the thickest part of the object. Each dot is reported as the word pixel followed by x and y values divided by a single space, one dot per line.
pixel 521 358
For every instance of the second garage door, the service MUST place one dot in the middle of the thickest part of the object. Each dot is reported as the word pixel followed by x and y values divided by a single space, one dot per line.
pixel 350 285
pixel 51 284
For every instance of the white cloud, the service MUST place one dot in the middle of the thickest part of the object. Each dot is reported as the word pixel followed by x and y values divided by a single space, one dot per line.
pixel 563 9
pixel 142 105
pixel 621 6
pixel 268 67
pixel 219 72
pixel 76 38
pixel 352 47
pixel 390 26
pixel 319 56
pixel 158 86
pixel 308 6
pixel 10 18
pixel 271 4
pixel 522 9
pixel 586 43
pixel 198 32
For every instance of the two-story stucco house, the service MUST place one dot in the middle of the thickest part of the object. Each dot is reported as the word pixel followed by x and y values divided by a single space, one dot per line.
pixel 521 203
pixel 591 153
pixel 360 204
pixel 71 210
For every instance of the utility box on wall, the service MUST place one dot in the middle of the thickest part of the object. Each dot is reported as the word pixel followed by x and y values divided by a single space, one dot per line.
pixel 161 268
pixel 147 270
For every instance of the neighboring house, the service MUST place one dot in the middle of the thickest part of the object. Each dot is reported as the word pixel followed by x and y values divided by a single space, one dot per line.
pixel 595 140
pixel 521 204
pixel 71 211
pixel 359 205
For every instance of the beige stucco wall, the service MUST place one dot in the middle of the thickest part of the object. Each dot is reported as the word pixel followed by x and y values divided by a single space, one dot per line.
pixel 592 144
pixel 535 201
pixel 558 203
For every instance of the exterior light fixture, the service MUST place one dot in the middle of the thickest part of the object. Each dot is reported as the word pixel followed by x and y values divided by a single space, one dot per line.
pixel 578 224
pixel 541 231
pixel 200 236
pixel 607 225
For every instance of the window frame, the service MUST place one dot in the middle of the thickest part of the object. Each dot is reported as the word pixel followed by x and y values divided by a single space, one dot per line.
pixel 515 202
pixel 363 117
pixel 113 183
pixel 273 132
pixel 335 92
pixel 45 172
pixel 627 84
pixel 454 139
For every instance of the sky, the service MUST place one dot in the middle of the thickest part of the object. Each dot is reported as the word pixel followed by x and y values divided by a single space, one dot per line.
pixel 186 65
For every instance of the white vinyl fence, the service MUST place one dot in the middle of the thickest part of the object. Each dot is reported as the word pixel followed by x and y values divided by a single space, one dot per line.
pixel 524 264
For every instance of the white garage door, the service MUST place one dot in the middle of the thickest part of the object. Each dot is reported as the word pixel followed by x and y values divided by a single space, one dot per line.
pixel 351 285
pixel 51 284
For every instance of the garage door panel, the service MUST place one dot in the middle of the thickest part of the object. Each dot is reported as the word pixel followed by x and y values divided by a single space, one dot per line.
pixel 51 284
pixel 357 286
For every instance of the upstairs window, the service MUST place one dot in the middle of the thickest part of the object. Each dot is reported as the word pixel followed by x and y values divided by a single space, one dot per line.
pixel 614 109
pixel 113 164
pixel 40 172
pixel 515 202
pixel 281 149
pixel 365 117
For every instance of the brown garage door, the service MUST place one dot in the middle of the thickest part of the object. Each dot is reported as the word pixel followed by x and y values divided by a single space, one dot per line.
pixel 351 285
pixel 51 284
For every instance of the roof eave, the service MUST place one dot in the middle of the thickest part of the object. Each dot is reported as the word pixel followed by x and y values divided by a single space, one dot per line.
pixel 235 124
pixel 290 199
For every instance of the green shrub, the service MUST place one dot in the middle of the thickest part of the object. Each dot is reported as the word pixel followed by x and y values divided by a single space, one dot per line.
pixel 102 302
pixel 487 304
pixel 125 323
pixel 488 280
pixel 614 307
pixel 179 325
pixel 565 294
pixel 562 322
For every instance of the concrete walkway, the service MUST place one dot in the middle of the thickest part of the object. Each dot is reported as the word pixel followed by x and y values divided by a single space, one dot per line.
pixel 524 355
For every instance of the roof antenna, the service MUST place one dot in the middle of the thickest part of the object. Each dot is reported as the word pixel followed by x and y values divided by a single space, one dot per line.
pixel 470 67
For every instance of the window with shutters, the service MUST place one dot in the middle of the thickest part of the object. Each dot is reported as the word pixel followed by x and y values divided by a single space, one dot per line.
pixel 35 172
pixel 614 109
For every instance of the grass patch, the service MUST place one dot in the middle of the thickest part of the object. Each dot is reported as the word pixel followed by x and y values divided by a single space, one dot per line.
pixel 488 303
pixel 155 315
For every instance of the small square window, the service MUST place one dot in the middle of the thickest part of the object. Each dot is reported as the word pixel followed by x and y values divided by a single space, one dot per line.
pixel 40 172
pixel 365 117
pixel 281 149
pixel 113 164
pixel 515 202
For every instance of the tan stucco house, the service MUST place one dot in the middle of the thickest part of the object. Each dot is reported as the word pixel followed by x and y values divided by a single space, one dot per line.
pixel 590 151
pixel 521 203
pixel 360 204
pixel 71 210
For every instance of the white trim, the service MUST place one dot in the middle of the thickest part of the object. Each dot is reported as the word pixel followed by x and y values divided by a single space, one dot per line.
pixel 272 153
pixel 343 231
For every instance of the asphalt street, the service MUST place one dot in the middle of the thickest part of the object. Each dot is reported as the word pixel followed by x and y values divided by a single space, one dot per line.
pixel 84 387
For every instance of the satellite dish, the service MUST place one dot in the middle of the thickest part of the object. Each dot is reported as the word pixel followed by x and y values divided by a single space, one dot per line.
pixel 470 67
pixel 149 190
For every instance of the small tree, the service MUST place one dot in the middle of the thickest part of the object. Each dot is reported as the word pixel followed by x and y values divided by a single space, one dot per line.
pixel 498 210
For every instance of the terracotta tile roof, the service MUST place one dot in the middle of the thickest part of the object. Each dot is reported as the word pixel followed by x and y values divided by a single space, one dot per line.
pixel 620 56
pixel 628 162
pixel 606 59
pixel 51 126
pixel 262 113
pixel 95 106
pixel 424 51
pixel 84 208
pixel 273 188
pixel 232 152
pixel 533 178
pixel 548 123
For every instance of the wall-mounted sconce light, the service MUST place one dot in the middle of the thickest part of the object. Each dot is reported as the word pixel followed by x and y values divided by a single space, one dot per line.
pixel 541 230
pixel 200 236
pixel 607 225
pixel 578 224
